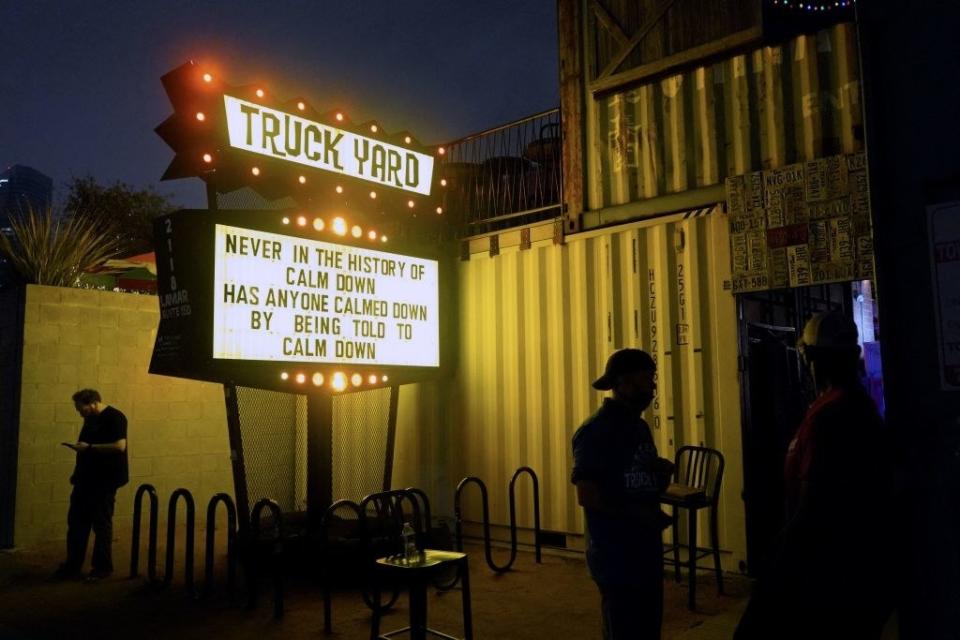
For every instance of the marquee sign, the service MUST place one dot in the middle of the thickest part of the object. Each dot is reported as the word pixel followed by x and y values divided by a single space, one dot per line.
pixel 282 300
pixel 289 137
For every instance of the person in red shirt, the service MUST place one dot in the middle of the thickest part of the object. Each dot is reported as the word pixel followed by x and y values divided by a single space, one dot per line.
pixel 831 575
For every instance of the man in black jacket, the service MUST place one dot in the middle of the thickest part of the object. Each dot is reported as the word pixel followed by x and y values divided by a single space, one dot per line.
pixel 100 470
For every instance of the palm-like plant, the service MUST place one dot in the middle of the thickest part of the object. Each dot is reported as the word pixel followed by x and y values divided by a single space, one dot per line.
pixel 50 251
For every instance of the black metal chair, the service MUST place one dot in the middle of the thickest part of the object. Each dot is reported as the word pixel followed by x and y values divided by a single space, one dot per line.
pixel 697 479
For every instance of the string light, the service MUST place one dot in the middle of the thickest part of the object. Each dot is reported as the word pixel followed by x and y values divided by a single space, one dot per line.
pixel 372 235
pixel 372 379
pixel 302 221
pixel 408 139
pixel 318 224
pixel 814 6
pixel 356 379
pixel 340 226
pixel 285 220
pixel 339 381
pixel 339 189
pixel 207 78
pixel 373 128
pixel 284 375
pixel 339 117
pixel 207 158
pixel 356 231
pixel 255 171
pixel 317 379
pixel 200 116
pixel 260 93
pixel 301 378
pixel 443 182
pixel 410 203
pixel 302 179
pixel 301 106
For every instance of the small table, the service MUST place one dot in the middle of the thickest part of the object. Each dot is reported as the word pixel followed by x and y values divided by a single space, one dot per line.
pixel 416 575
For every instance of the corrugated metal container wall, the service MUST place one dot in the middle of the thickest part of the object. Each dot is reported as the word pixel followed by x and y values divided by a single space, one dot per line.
pixel 537 325
pixel 760 110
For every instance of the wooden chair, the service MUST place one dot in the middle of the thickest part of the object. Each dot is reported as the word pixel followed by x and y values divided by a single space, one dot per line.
pixel 697 479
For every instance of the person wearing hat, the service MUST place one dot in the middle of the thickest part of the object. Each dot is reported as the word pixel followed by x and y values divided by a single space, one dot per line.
pixel 830 575
pixel 619 477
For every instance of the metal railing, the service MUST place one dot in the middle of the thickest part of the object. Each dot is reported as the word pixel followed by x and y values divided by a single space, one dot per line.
pixel 506 176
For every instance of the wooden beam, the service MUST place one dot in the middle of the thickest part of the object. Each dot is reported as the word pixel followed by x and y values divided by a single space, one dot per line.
pixel 734 41
pixel 572 98
pixel 609 23
pixel 637 37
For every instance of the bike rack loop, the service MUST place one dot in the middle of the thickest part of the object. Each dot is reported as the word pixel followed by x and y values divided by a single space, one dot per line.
pixel 231 544
pixel 389 505
pixel 488 551
pixel 150 491
pixel 325 542
pixel 172 538
pixel 267 503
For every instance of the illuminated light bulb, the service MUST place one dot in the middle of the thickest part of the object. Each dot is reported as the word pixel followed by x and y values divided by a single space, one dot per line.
pixel 207 158
pixel 374 128
pixel 284 375
pixel 207 77
pixel 410 203
pixel 373 195
pixel 372 379
pixel 318 224
pixel 441 151
pixel 301 378
pixel 356 379
pixel 443 182
pixel 356 231
pixel 383 238
pixel 259 93
pixel 200 116
pixel 339 381
pixel 408 139
pixel 286 220
pixel 339 189
pixel 384 378
pixel 439 210
pixel 302 179
pixel 340 226
pixel 317 379
pixel 372 235
pixel 255 171
pixel 339 117
pixel 301 106
pixel 302 221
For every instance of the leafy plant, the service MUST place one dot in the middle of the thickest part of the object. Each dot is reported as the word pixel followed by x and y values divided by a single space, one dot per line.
pixel 45 249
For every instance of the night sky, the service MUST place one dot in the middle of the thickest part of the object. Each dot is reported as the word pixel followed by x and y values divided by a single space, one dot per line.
pixel 80 90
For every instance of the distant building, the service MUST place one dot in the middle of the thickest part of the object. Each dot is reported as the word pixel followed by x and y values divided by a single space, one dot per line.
pixel 22 188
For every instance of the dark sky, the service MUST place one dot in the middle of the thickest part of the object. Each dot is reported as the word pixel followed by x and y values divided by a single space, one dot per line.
pixel 80 90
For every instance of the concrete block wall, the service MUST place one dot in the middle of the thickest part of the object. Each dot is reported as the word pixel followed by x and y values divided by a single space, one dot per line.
pixel 177 433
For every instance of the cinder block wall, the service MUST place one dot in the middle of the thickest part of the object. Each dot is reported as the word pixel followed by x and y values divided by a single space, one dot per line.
pixel 177 433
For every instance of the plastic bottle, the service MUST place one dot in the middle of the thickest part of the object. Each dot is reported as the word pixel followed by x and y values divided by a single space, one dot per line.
pixel 409 543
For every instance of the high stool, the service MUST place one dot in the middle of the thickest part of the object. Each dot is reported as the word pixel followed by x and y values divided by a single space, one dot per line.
pixel 416 575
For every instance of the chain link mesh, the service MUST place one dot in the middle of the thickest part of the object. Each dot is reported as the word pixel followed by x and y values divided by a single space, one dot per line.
pixel 359 443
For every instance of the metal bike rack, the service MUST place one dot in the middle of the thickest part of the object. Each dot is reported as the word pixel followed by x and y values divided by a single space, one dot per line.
pixel 325 542
pixel 172 538
pixel 150 491
pixel 488 550
pixel 231 544
pixel 389 505
pixel 276 554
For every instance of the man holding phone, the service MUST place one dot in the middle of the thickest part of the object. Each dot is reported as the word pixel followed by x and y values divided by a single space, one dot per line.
pixel 100 470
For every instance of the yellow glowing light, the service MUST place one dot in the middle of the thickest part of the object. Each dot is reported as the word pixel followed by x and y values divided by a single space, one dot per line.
pixel 384 378
pixel 356 231
pixel 284 375
pixel 439 210
pixel 372 379
pixel 339 117
pixel 301 378
pixel 339 189
pixel 410 203
pixel 317 379
pixel 408 139
pixel 372 235
pixel 374 128
pixel 302 221
pixel 286 220
pixel 356 379
pixel 340 226
pixel 373 195
pixel 443 182
pixel 207 77
pixel 441 151
pixel 207 158
pixel 200 116
pixel 259 93
pixel 383 238
pixel 255 171
pixel 339 381
pixel 301 106
pixel 302 179
pixel 318 224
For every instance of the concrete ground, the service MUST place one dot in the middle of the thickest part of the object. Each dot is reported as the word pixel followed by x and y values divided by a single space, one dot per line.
pixel 533 602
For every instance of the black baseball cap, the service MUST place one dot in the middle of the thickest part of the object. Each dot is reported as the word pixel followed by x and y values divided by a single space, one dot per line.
pixel 622 362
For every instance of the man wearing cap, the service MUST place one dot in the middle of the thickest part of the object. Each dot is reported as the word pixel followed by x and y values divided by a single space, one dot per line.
pixel 619 477
pixel 831 573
